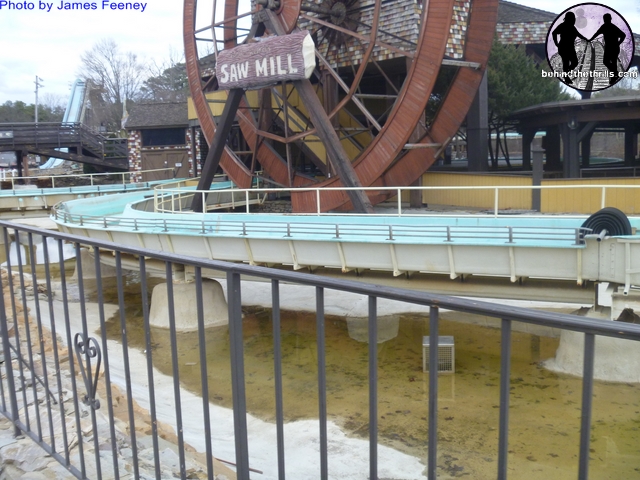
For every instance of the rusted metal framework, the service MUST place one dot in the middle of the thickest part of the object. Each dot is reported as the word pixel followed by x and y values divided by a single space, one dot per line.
pixel 394 81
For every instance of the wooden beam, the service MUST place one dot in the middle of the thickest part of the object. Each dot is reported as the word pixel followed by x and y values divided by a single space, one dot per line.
pixel 217 146
pixel 324 129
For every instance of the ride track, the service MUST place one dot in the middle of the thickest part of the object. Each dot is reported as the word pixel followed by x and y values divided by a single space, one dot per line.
pixel 386 160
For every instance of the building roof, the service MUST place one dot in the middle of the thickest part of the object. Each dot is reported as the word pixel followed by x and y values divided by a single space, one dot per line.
pixel 509 12
pixel 157 115
pixel 619 110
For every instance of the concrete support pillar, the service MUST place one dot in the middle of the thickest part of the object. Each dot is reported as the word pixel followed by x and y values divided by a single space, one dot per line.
pixel 89 267
pixel 536 178
pixel 616 360
pixel 358 328
pixel 478 130
pixel 184 300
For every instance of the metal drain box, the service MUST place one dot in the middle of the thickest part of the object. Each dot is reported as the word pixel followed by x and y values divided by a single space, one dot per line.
pixel 446 354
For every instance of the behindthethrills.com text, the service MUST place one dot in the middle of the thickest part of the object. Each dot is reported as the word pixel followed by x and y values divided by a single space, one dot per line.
pixel 590 74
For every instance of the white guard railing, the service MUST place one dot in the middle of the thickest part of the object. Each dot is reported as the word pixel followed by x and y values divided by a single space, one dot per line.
pixel 179 198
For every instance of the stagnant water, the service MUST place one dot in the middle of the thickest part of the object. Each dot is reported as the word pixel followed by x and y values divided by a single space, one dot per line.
pixel 545 406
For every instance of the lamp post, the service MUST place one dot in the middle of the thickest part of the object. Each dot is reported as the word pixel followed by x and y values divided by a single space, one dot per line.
pixel 38 85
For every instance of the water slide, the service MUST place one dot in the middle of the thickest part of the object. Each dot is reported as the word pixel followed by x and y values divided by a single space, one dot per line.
pixel 73 114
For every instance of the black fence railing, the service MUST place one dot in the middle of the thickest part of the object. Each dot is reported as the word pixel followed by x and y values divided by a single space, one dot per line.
pixel 69 369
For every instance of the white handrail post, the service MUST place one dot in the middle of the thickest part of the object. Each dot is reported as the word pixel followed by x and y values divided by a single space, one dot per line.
pixel 495 206
pixel 204 205
pixel 399 201
pixel 246 199
pixel 604 196
pixel 91 176
pixel 318 200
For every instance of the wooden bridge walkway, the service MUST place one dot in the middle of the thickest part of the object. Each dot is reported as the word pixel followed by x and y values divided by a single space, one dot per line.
pixel 82 144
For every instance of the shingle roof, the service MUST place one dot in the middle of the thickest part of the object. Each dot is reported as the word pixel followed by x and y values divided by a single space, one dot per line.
pixel 150 115
pixel 509 12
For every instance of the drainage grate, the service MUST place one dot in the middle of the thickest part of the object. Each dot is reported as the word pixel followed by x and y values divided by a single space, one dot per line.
pixel 446 354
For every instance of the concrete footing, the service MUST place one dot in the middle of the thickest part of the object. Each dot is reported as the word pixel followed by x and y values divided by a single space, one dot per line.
pixel 184 299
pixel 616 360
pixel 387 328
pixel 89 267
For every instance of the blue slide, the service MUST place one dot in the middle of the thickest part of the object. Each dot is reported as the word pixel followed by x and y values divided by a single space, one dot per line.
pixel 73 114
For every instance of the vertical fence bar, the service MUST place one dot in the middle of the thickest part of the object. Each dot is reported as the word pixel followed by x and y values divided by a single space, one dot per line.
pixel 175 370
pixel 30 365
pixel 237 375
pixel 72 360
pixel 496 201
pixel 373 388
pixel 318 200
pixel 54 341
pixel 105 356
pixel 40 340
pixel 433 392
pixel 277 369
pixel 87 358
pixel 587 400
pixel 246 199
pixel 505 374
pixel 204 377
pixel 399 193
pixel 6 346
pixel 125 357
pixel 149 349
pixel 43 358
pixel 322 383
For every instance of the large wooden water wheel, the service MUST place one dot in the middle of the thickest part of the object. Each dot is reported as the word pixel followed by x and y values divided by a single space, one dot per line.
pixel 360 120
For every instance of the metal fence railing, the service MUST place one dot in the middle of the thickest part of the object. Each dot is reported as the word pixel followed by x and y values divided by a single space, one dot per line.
pixel 61 371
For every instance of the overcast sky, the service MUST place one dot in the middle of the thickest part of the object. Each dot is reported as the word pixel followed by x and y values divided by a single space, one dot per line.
pixel 49 43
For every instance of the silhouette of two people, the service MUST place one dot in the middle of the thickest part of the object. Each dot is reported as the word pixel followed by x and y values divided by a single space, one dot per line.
pixel 612 36
pixel 566 46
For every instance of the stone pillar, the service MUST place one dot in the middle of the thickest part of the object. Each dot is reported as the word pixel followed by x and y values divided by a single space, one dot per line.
pixel 478 130
pixel 184 300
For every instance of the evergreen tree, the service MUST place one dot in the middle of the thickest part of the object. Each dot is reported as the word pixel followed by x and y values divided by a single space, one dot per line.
pixel 514 82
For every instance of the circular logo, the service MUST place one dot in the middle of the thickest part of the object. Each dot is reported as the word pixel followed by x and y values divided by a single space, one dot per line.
pixel 590 47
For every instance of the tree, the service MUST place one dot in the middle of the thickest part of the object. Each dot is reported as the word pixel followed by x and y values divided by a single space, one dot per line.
pixel 15 112
pixel 514 82
pixel 117 76
pixel 167 81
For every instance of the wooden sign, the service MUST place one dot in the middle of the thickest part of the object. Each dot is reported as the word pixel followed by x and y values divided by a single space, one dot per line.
pixel 266 61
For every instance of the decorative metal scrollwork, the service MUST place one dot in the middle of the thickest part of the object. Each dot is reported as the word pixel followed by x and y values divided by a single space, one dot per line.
pixel 86 349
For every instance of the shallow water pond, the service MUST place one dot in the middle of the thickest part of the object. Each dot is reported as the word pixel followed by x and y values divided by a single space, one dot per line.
pixel 544 413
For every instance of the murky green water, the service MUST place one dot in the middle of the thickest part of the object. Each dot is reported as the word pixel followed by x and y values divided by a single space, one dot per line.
pixel 545 407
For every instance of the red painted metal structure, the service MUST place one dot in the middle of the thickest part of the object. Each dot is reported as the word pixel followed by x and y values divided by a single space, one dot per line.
pixel 386 160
